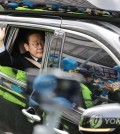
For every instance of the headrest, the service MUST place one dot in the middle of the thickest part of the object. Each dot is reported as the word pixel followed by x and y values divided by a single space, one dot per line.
pixel 69 64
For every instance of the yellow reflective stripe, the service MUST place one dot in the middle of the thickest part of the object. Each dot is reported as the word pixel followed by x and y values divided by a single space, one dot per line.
pixel 13 99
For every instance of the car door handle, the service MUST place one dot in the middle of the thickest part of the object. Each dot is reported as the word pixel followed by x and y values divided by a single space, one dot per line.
pixel 31 117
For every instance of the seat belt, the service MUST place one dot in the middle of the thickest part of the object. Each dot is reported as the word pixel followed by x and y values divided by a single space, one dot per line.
pixel 34 62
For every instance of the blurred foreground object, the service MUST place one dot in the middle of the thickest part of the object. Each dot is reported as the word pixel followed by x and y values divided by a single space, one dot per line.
pixel 53 92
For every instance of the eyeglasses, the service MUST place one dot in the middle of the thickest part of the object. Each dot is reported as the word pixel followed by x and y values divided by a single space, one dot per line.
pixel 36 44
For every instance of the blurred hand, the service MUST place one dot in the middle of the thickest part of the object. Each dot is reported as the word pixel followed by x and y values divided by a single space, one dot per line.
pixel 2 35
pixel 108 86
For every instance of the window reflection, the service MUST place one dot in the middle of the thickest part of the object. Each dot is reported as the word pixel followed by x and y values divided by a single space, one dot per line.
pixel 10 87
pixel 10 79
pixel 85 57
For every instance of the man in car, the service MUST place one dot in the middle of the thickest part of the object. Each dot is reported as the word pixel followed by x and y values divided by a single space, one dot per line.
pixel 33 44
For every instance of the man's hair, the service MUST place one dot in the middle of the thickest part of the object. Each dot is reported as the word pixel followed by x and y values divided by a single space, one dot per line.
pixel 30 32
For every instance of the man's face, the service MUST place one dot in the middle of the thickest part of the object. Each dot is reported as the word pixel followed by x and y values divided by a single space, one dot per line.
pixel 35 45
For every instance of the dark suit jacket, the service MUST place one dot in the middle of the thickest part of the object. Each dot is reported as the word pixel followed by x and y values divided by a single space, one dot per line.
pixel 16 61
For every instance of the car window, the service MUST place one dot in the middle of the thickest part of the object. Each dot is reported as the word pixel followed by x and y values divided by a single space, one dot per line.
pixel 85 57
pixel 16 46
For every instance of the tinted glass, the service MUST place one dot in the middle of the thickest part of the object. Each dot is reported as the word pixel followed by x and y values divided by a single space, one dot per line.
pixel 83 56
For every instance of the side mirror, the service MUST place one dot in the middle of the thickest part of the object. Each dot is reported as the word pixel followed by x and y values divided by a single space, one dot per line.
pixel 103 118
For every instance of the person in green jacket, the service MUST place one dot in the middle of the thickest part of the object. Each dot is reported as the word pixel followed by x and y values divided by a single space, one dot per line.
pixel 86 87
pixel 87 95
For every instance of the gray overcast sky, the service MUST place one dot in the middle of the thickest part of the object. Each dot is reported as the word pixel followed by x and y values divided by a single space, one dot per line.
pixel 106 4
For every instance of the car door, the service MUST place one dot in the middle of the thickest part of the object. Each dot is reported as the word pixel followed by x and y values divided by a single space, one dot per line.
pixel 8 108
pixel 13 89
pixel 13 100
pixel 94 53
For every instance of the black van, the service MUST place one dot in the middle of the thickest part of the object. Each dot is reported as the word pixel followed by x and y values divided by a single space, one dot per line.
pixel 92 40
